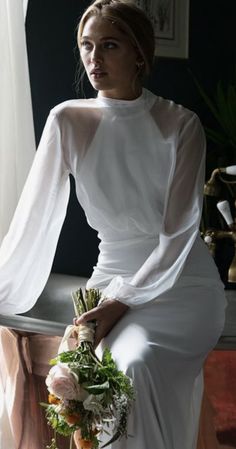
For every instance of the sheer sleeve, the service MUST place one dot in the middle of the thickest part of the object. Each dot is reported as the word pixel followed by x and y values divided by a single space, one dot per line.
pixel 27 251
pixel 180 225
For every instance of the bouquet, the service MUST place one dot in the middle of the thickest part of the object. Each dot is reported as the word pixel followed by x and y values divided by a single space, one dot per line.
pixel 87 396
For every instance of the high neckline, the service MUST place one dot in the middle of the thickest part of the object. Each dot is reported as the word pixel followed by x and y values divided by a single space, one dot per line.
pixel 114 102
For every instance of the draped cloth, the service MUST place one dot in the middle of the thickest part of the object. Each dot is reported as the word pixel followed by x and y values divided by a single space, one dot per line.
pixel 24 365
pixel 17 149
pixel 17 142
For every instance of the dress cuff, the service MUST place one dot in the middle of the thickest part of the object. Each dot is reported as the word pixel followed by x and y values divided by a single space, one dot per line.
pixel 118 289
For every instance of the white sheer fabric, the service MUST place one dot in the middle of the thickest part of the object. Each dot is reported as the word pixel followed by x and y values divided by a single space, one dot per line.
pixel 150 152
pixel 139 171
pixel 25 6
pixel 17 143
pixel 17 149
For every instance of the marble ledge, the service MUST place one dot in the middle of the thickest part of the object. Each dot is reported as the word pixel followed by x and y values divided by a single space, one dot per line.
pixel 54 311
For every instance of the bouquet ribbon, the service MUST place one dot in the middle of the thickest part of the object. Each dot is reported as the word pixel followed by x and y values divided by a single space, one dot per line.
pixel 85 332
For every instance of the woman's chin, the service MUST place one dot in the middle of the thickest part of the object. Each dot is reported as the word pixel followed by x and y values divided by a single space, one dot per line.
pixel 100 83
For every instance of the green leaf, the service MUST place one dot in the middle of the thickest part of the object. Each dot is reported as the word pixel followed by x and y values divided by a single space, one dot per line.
pixel 207 100
pixel 107 357
pixel 97 389
pixel 216 136
pixel 223 108
pixel 44 404
pixel 225 103
pixel 231 98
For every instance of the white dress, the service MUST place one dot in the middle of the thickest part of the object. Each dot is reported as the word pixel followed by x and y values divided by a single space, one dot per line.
pixel 139 172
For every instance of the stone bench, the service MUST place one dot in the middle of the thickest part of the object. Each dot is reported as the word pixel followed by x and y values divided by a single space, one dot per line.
pixel 54 311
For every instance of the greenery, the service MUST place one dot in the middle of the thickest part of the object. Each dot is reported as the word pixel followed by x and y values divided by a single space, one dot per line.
pixel 223 107
pixel 106 393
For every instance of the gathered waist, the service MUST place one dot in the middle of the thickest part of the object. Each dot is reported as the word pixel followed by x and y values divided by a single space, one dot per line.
pixel 125 257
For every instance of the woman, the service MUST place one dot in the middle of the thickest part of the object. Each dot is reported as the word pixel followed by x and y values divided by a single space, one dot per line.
pixel 138 163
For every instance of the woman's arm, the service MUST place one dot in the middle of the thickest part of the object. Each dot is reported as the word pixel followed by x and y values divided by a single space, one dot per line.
pixel 180 226
pixel 179 229
pixel 27 251
pixel 106 316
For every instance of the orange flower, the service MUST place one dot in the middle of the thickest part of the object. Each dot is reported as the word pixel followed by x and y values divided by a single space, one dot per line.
pixel 85 444
pixel 72 419
pixel 80 442
pixel 53 399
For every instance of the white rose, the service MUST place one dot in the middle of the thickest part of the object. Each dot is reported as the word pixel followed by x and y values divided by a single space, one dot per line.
pixel 63 383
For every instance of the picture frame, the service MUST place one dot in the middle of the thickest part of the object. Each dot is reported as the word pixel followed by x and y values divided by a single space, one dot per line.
pixel 170 19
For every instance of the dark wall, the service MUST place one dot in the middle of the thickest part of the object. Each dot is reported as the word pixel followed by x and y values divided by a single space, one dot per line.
pixel 51 41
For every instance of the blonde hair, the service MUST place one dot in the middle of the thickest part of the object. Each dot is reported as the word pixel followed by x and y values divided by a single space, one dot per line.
pixel 132 21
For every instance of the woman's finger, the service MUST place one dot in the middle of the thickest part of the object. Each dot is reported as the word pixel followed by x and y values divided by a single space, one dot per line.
pixel 101 331
pixel 88 316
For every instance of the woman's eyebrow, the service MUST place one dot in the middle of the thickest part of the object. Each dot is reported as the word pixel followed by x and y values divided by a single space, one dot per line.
pixel 110 37
pixel 102 39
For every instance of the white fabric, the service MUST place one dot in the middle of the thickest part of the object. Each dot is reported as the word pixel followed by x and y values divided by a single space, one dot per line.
pixel 17 143
pixel 25 7
pixel 34 231
pixel 162 346
pixel 139 171
pixel 17 149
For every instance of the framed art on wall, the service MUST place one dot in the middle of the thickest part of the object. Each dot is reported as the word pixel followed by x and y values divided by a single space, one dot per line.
pixel 170 19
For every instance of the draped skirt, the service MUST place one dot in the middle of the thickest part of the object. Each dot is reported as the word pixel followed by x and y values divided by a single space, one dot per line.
pixel 162 347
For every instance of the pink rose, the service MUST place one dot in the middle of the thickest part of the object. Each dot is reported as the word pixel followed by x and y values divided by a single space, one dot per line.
pixel 63 383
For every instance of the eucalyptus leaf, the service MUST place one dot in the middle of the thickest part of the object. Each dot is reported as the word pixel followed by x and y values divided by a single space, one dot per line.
pixel 97 389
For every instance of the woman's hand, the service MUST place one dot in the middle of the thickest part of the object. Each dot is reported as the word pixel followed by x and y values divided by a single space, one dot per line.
pixel 106 316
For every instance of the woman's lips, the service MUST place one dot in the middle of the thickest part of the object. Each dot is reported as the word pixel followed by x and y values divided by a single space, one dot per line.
pixel 96 74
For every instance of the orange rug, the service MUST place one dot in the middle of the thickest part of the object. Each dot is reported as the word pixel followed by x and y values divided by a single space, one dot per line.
pixel 220 384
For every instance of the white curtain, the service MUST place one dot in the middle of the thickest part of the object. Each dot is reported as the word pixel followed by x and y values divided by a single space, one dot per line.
pixel 17 148
pixel 17 142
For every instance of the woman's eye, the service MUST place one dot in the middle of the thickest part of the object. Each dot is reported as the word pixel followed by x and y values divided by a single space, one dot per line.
pixel 86 45
pixel 110 45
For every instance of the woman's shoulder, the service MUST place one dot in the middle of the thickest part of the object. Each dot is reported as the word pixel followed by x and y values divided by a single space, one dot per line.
pixel 77 112
pixel 170 107
pixel 171 116
pixel 74 106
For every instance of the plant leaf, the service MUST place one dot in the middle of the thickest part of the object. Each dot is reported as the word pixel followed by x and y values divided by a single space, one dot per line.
pixel 97 389
pixel 211 105
pixel 216 136
pixel 222 106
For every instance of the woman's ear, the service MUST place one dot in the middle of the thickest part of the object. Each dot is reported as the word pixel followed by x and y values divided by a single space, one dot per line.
pixel 140 63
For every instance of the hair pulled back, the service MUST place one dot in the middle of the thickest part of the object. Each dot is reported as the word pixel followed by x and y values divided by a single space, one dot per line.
pixel 131 20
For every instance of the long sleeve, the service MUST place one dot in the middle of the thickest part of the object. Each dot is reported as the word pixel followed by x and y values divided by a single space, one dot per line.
pixel 180 225
pixel 27 251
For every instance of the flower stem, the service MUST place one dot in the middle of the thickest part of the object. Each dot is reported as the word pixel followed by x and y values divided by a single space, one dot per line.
pixel 71 441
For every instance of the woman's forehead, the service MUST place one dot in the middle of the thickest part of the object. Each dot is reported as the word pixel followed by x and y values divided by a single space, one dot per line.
pixel 101 27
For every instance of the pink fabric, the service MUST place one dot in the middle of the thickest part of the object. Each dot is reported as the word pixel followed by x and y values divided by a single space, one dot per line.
pixel 24 360
pixel 24 365
pixel 13 380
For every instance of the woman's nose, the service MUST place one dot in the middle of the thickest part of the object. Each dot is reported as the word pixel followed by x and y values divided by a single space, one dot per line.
pixel 96 55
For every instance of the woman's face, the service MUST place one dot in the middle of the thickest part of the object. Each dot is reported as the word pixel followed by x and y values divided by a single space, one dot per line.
pixel 110 59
